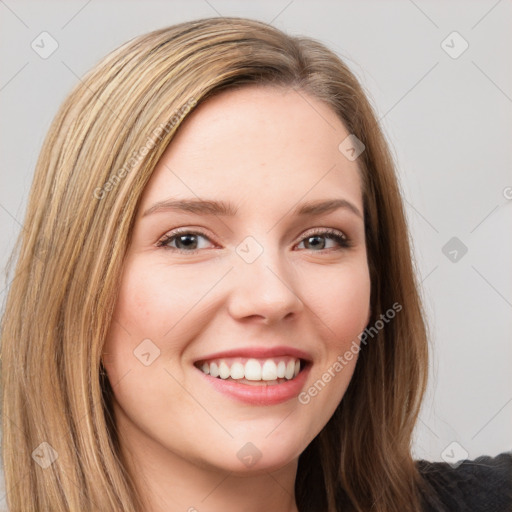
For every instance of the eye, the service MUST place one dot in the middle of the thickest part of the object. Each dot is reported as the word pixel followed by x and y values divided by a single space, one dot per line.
pixel 184 241
pixel 188 241
pixel 314 240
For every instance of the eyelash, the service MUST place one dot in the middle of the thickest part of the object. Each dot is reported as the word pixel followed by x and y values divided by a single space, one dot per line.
pixel 335 235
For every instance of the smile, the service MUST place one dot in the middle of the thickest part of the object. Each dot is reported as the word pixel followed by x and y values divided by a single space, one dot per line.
pixel 270 371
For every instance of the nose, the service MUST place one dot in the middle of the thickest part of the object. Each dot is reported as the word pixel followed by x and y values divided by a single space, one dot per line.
pixel 264 290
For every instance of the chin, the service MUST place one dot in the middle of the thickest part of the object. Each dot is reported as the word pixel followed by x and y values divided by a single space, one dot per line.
pixel 265 452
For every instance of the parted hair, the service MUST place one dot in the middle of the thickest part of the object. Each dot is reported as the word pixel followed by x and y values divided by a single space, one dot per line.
pixel 89 178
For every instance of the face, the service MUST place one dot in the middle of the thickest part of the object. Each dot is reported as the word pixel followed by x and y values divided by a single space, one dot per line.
pixel 223 302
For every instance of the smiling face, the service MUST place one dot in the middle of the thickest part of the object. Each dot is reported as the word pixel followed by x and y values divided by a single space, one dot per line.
pixel 267 274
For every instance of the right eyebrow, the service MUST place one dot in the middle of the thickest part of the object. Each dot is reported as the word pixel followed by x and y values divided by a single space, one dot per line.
pixel 197 206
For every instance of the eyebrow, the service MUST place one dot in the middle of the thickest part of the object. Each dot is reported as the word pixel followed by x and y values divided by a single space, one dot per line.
pixel 222 208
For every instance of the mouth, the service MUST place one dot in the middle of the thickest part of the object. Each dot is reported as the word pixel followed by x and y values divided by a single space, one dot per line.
pixel 257 376
pixel 253 371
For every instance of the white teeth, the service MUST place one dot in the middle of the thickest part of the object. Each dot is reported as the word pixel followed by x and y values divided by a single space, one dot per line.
pixel 254 370
pixel 269 370
pixel 290 370
pixel 214 370
pixel 237 371
pixel 224 370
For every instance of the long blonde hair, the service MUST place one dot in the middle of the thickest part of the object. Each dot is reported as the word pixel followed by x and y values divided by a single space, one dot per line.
pixel 98 156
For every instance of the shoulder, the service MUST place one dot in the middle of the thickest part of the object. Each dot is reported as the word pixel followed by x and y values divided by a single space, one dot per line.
pixel 480 485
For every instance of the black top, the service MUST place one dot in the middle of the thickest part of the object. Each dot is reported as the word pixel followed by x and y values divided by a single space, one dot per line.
pixel 480 485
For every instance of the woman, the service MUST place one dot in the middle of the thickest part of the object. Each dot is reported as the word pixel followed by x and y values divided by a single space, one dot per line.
pixel 215 306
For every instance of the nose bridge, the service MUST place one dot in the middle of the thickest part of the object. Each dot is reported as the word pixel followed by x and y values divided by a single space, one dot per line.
pixel 263 284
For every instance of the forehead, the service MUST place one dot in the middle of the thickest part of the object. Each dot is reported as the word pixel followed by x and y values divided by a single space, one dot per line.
pixel 258 145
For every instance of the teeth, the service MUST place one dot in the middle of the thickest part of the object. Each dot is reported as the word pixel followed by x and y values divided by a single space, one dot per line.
pixel 214 370
pixel 224 370
pixel 281 369
pixel 290 370
pixel 237 371
pixel 269 370
pixel 254 370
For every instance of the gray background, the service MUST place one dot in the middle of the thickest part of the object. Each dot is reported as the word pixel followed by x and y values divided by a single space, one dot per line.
pixel 449 124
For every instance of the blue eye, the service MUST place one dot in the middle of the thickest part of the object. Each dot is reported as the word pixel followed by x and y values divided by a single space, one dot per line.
pixel 314 240
pixel 188 242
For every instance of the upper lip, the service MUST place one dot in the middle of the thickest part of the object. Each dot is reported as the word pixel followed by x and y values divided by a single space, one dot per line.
pixel 259 352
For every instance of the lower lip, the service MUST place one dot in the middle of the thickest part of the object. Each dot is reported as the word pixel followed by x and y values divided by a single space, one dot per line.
pixel 260 394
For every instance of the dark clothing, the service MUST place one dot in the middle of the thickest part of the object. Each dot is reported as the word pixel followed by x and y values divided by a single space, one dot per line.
pixel 480 485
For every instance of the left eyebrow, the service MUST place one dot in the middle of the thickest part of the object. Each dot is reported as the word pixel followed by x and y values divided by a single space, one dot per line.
pixel 321 207
pixel 222 208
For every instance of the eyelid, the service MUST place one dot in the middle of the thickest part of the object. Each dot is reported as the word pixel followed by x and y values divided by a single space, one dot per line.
pixel 325 232
pixel 321 231
pixel 181 231
pixel 344 241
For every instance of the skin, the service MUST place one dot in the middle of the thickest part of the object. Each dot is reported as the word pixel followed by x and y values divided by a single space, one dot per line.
pixel 266 150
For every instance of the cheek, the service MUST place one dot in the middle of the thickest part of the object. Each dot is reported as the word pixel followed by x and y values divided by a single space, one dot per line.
pixel 153 300
pixel 158 303
pixel 153 318
pixel 341 300
pixel 143 311
pixel 341 304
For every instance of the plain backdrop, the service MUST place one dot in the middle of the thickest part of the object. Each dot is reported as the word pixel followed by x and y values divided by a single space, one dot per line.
pixel 447 114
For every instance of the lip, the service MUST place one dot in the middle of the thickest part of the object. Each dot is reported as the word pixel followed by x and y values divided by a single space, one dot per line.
pixel 259 353
pixel 259 394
